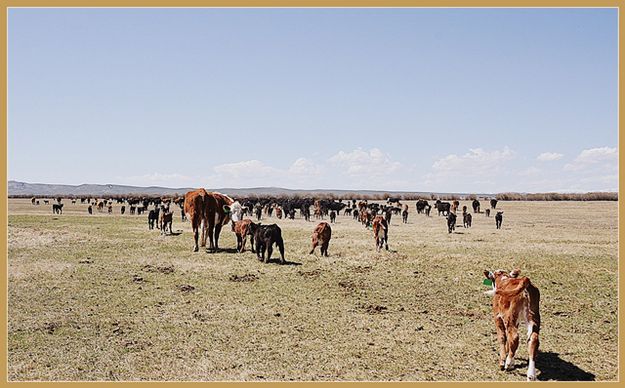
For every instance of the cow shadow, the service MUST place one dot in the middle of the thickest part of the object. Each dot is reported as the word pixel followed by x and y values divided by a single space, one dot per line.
pixel 286 262
pixel 552 367
pixel 176 233
pixel 224 250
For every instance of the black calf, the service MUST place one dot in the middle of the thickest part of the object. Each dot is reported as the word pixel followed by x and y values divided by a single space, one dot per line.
pixel 264 237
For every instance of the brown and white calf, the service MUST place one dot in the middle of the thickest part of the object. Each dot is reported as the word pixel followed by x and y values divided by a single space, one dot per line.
pixel 242 229
pixel 515 300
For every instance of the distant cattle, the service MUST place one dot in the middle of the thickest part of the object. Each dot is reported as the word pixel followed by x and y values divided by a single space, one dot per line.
pixel 45 201
pixel 33 200
pixel 421 204
pixel 380 232
pixel 264 237
pixel 498 219
pixel 332 216
pixel 467 218
pixel 493 203
pixel 451 222
pixel 515 300
pixel 428 207
pixel 404 216
pixel 90 209
pixel 132 209
pixel 454 206
pixel 110 207
pixel 355 214
pixel 37 202
pixel 321 236
pixel 242 229
pixel 348 211
pixel 476 206
pixel 123 209
pixel 57 208
pixel 487 211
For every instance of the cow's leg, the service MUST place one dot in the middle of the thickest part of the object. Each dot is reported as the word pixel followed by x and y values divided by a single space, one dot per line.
pixel 269 251
pixel 195 238
pixel 211 241
pixel 512 333
pixel 239 243
pixel 325 246
pixel 386 241
pixel 280 244
pixel 243 242
pixel 217 232
pixel 503 343
pixel 252 242
pixel 314 245
pixel 532 350
pixel 204 231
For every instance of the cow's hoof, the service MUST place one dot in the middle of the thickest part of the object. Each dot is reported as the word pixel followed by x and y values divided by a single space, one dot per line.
pixel 196 249
pixel 502 367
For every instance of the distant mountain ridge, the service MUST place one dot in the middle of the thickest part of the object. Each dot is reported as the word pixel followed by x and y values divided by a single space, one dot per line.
pixel 16 188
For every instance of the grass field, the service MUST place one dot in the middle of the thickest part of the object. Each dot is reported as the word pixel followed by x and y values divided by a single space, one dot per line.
pixel 103 298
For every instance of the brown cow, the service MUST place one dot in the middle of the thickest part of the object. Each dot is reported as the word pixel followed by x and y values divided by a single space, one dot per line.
pixel 321 236
pixel 380 232
pixel 515 300
pixel 242 229
pixel 195 209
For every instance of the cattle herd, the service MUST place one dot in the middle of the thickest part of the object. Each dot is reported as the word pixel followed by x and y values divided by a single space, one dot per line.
pixel 515 299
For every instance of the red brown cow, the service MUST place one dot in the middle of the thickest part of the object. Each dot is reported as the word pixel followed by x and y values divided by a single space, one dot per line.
pixel 515 300
pixel 380 232
pixel 195 209
pixel 321 236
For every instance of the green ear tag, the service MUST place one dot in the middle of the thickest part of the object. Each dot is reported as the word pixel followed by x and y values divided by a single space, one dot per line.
pixel 487 282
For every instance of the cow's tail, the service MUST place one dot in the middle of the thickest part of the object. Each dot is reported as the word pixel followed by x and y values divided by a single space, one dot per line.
pixel 520 287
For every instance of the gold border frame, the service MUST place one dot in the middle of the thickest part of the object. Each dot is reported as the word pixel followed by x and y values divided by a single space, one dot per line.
pixel 276 3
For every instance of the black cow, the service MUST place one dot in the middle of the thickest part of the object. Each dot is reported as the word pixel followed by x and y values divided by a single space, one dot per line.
pixel 421 204
pixel 404 216
pixel 332 216
pixel 487 211
pixel 493 203
pixel 427 210
pixel 476 206
pixel 451 222
pixel 498 219
pixel 57 208
pixel 442 207
pixel 355 214
pixel 264 237
pixel 123 209
pixel 153 217
pixel 90 209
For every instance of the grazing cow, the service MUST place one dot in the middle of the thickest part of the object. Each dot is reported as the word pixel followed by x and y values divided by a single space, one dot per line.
pixel 265 236
pixel 515 300
pixel 487 211
pixel 404 216
pixel 333 216
pixel 451 222
pixel 380 232
pixel 476 206
pixel 242 229
pixel 493 203
pixel 466 219
pixel 321 236
pixel 123 209
pixel 166 219
pixel 90 209
pixel 57 208
pixel 153 218
pixel 194 208
pixel 498 219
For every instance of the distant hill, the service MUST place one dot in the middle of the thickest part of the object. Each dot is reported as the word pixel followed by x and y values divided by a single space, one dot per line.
pixel 16 188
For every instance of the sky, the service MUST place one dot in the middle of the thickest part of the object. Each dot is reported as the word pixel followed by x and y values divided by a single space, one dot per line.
pixel 409 99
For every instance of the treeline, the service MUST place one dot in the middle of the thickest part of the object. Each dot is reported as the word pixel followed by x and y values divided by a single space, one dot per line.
pixel 593 196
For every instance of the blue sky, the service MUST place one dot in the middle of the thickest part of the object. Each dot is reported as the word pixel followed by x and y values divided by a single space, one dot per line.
pixel 465 100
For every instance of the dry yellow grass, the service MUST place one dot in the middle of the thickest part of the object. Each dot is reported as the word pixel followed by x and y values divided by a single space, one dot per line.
pixel 95 298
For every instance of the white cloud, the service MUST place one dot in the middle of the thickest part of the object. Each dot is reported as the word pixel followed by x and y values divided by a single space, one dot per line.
pixel 603 157
pixel 365 163
pixel 303 167
pixel 245 169
pixel 530 171
pixel 549 156
pixel 476 162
